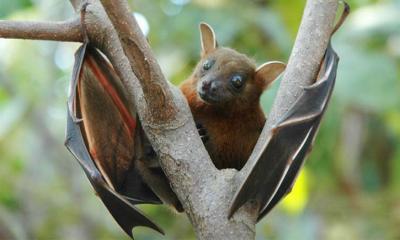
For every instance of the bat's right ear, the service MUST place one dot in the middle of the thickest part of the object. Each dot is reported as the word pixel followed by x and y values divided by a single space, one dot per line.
pixel 208 40
pixel 268 72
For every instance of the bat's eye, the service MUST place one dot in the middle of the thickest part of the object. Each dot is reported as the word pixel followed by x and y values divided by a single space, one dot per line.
pixel 208 64
pixel 237 81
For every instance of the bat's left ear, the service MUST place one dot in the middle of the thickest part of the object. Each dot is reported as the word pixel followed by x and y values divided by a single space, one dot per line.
pixel 268 72
pixel 208 40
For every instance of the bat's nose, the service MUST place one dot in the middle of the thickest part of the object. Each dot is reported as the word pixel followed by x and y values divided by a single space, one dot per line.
pixel 209 86
pixel 208 91
pixel 205 86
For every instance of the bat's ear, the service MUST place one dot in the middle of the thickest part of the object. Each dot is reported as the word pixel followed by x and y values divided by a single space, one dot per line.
pixel 208 40
pixel 268 72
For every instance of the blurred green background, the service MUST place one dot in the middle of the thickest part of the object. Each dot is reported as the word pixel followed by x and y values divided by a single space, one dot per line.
pixel 349 188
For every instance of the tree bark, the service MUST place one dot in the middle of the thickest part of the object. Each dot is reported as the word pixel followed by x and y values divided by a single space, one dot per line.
pixel 67 31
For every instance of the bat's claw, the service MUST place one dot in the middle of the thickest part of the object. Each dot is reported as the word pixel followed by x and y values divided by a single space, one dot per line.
pixel 202 132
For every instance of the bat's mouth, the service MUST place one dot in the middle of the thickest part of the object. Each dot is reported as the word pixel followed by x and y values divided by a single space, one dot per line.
pixel 208 98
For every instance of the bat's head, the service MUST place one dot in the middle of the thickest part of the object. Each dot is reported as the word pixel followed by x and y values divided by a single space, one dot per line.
pixel 226 77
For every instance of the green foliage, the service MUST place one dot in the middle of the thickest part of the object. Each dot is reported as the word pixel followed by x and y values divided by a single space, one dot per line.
pixel 11 6
pixel 352 184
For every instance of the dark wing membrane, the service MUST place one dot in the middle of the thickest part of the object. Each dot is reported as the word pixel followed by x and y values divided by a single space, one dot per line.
pixel 126 215
pixel 283 153
pixel 110 127
pixel 101 135
pixel 324 85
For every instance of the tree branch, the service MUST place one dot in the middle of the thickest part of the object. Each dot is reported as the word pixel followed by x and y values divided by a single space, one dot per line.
pixel 67 31
pixel 203 191
pixel 155 88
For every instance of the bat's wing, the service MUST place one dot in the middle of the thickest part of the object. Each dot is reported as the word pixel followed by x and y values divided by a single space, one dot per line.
pixel 102 135
pixel 325 85
pixel 283 153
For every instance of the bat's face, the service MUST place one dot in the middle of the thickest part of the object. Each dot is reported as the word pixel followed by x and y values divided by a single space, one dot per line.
pixel 224 77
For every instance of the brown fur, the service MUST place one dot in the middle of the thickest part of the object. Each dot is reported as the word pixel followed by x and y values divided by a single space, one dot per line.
pixel 233 127
pixel 232 116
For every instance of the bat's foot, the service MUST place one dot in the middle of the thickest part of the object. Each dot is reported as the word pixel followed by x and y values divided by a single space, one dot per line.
pixel 202 132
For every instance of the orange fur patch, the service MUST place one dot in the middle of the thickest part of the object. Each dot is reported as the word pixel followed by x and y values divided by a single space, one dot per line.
pixel 126 116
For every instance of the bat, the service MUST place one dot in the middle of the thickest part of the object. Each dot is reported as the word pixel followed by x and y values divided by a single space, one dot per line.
pixel 106 138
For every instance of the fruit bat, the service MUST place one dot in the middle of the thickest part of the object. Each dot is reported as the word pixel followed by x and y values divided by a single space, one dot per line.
pixel 104 135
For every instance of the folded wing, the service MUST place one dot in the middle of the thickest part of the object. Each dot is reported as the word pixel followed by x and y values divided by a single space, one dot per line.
pixel 103 135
